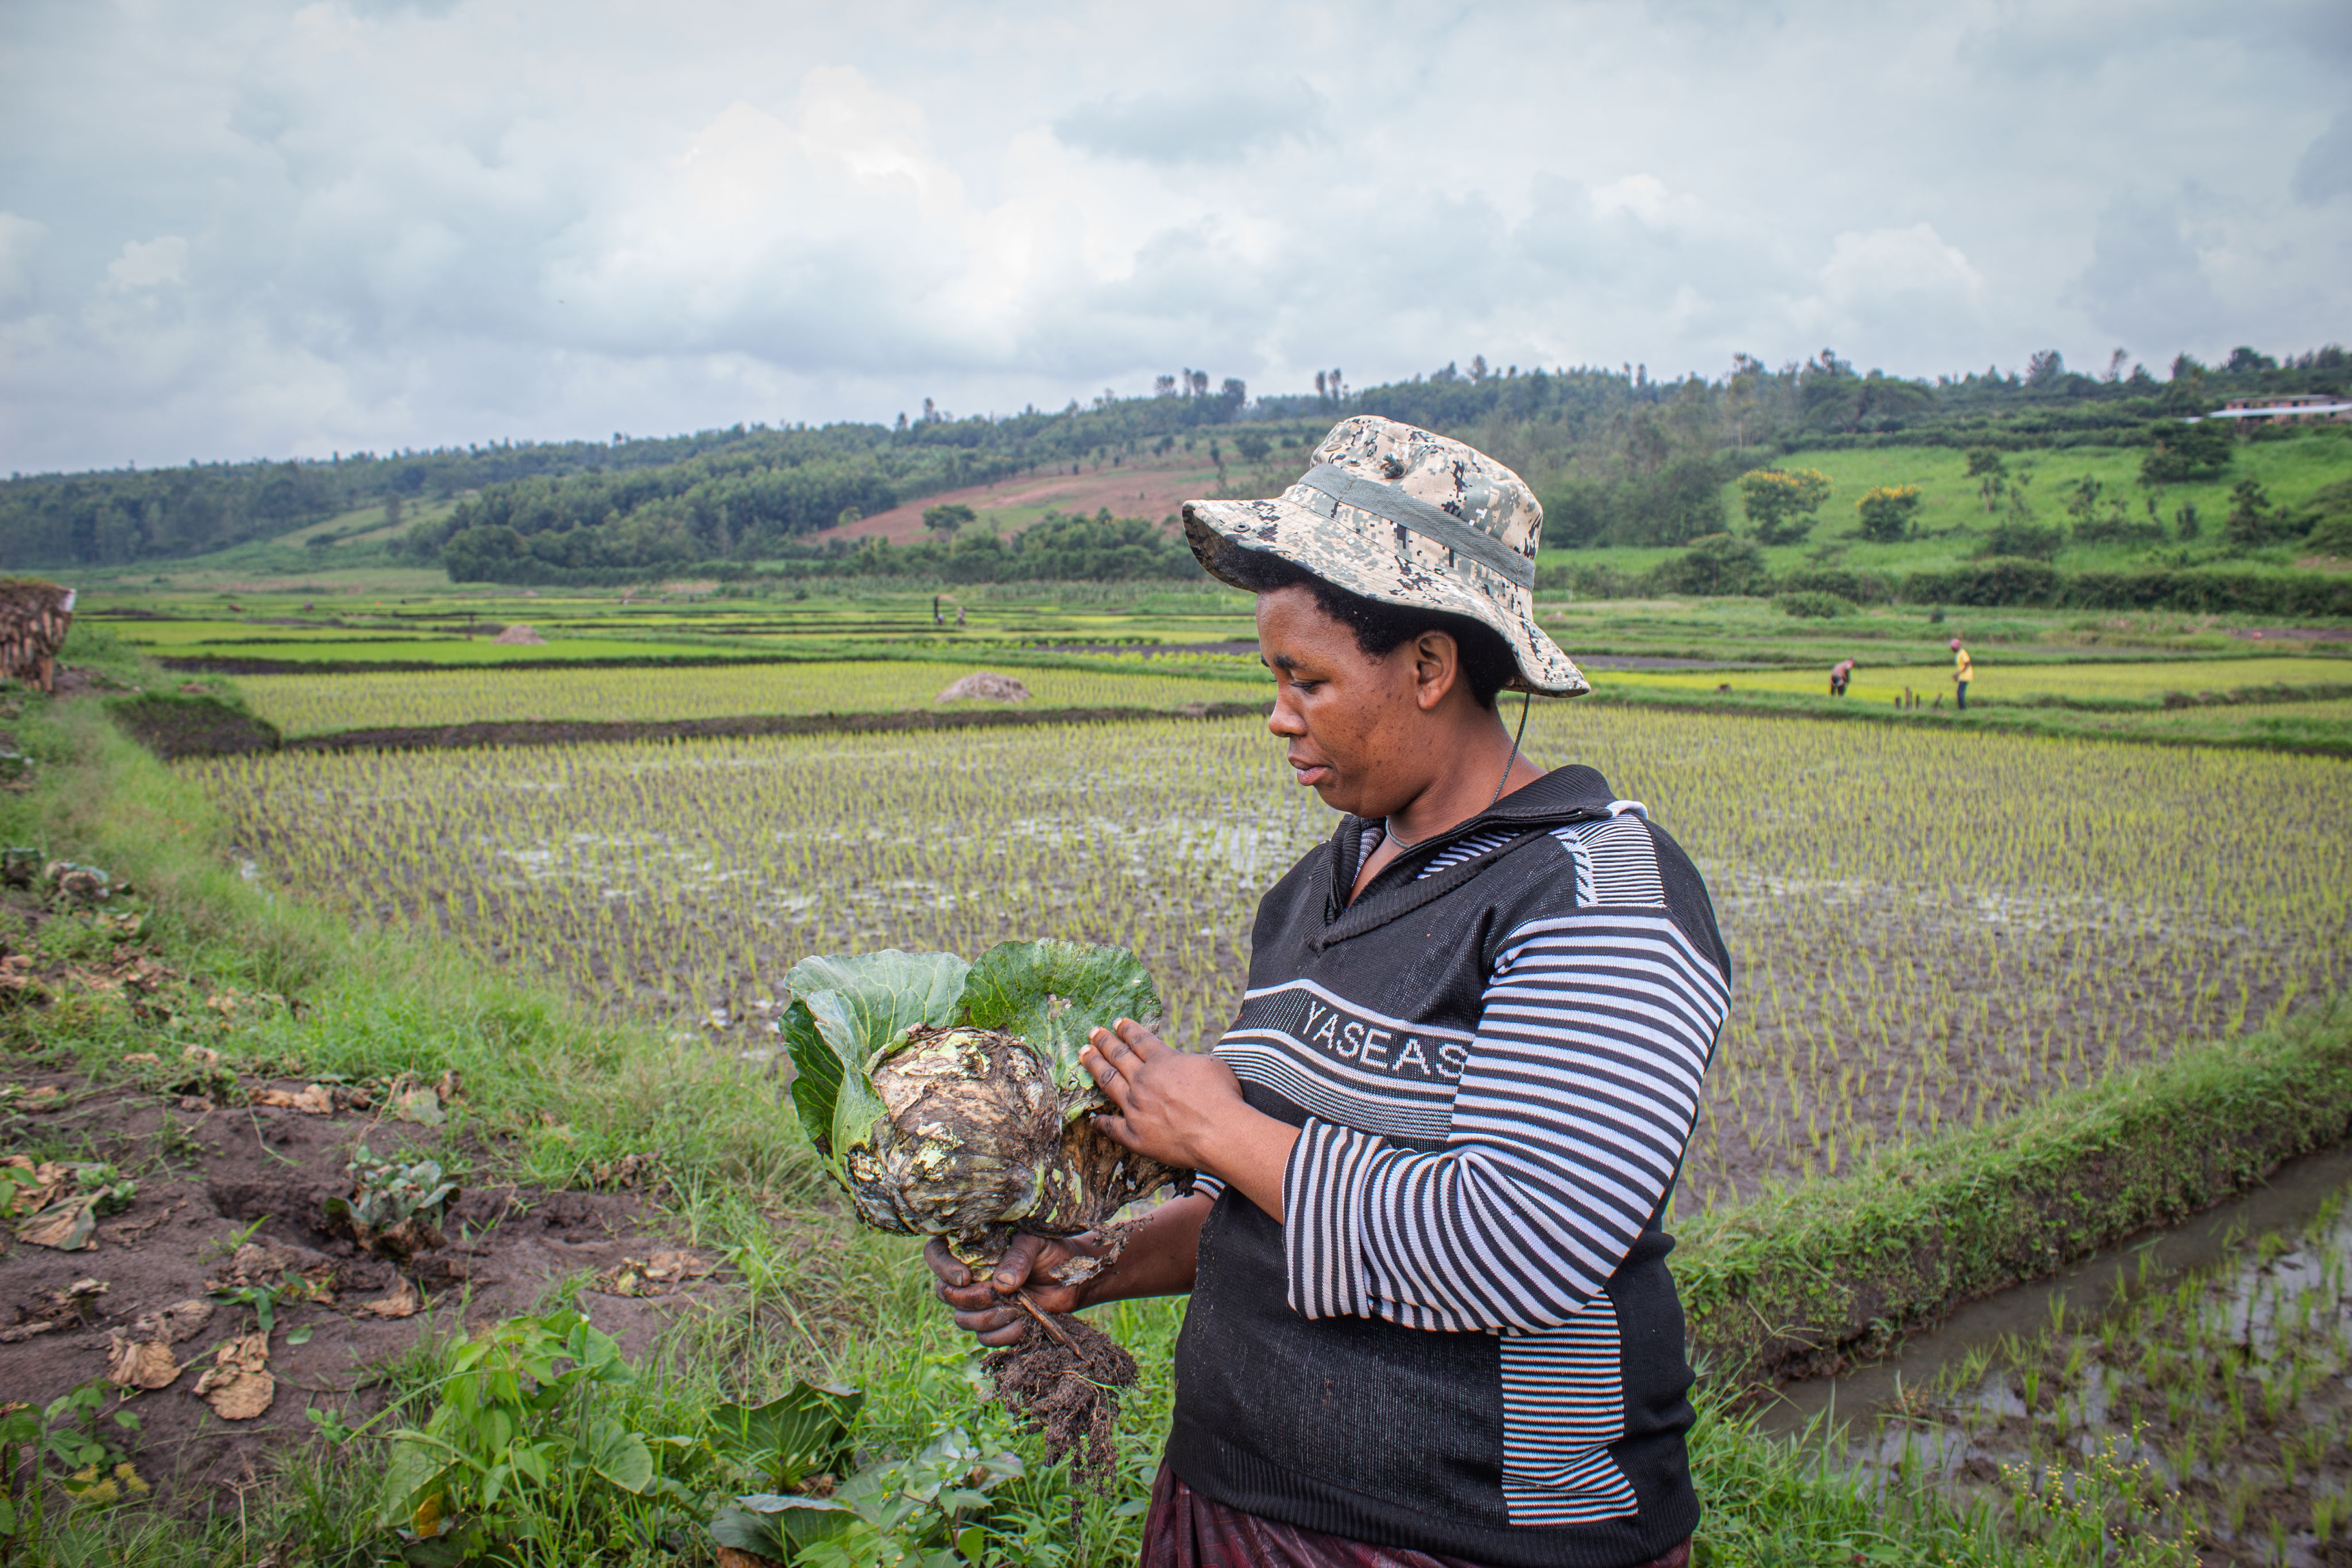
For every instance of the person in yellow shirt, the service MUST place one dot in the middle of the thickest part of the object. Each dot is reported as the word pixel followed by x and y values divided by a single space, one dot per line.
pixel 1963 670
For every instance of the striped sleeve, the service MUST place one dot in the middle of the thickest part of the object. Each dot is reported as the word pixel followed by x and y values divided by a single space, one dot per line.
pixel 1569 1123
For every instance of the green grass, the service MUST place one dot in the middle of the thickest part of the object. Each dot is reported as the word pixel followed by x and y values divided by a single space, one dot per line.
pixel 1952 519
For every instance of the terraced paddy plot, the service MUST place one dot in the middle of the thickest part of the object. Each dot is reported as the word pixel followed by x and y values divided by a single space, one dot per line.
pixel 306 704
pixel 1926 927
pixel 2137 681
pixel 236 640
pixel 2215 1409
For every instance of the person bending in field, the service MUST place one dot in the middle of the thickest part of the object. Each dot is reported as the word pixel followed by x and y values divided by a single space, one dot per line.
pixel 1432 1324
pixel 1840 676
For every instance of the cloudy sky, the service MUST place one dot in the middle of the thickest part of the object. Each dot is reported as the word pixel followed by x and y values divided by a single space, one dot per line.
pixel 242 228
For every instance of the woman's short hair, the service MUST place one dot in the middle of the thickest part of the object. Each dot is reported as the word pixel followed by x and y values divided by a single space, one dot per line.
pixel 1381 629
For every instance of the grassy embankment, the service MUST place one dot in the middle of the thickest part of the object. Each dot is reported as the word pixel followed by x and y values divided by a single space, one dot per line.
pixel 550 1093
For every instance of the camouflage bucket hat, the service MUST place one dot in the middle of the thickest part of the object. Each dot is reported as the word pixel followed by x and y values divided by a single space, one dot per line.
pixel 1402 517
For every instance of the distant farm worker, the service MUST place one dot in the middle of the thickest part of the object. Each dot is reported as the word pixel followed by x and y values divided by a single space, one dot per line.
pixel 1963 671
pixel 1432 1324
pixel 1840 674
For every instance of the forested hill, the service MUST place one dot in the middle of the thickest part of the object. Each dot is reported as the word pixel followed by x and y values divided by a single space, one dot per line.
pixel 1617 455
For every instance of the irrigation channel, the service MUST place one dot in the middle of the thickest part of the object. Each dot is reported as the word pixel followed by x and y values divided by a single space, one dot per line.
pixel 2194 1386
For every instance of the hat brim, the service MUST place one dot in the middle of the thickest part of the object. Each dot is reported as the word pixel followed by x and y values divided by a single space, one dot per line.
pixel 1357 551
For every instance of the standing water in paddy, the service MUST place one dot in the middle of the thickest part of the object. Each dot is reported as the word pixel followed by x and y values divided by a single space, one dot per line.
pixel 2207 1409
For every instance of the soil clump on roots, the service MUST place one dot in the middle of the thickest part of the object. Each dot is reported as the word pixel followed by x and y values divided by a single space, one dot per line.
pixel 1065 1386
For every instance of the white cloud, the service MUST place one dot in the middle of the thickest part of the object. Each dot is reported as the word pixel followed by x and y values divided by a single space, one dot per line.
pixel 2145 281
pixel 1906 268
pixel 2325 171
pixel 295 225
pixel 1218 124
pixel 148 264
pixel 18 239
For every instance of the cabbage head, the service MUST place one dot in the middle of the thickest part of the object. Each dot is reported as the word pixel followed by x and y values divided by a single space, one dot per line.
pixel 947 1098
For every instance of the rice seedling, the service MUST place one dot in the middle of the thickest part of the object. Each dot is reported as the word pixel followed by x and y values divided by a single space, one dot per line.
pixel 306 704
pixel 1926 928
pixel 2226 1431
pixel 2147 680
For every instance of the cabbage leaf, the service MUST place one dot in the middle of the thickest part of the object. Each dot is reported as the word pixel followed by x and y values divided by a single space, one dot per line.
pixel 846 1010
pixel 1053 994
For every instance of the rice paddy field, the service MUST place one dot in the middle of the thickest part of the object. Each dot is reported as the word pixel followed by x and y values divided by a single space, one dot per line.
pixel 309 705
pixel 1930 928
pixel 306 704
pixel 2085 682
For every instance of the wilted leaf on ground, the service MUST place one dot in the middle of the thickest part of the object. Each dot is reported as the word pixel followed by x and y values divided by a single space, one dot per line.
pixel 238 1385
pixel 180 1321
pixel 69 1225
pixel 315 1101
pixel 402 1302
pixel 140 1363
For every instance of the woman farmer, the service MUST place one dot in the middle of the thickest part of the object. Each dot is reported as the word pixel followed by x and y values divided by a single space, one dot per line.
pixel 1430 1318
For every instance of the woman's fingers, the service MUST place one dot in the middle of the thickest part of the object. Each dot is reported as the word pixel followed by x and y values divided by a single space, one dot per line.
pixel 1020 1260
pixel 1146 1045
pixel 1109 1070
pixel 945 1264
pixel 994 1325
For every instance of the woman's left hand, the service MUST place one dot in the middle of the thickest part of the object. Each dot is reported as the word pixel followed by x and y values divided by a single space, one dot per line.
pixel 1172 1103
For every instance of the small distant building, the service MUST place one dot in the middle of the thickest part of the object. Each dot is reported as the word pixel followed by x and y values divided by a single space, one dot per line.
pixel 2295 408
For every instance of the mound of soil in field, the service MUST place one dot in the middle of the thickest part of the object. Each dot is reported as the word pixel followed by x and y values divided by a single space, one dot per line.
pixel 520 635
pixel 232 1195
pixel 986 685
pixel 191 724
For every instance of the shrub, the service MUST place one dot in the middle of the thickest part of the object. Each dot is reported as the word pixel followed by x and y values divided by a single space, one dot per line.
pixel 2333 535
pixel 1886 512
pixel 2328 516
pixel 2183 452
pixel 2117 526
pixel 1680 504
pixel 2301 595
pixel 1716 564
pixel 1782 504
pixel 1814 606
pixel 1595 581
pixel 2032 541
pixel 2253 521
pixel 2004 580
pixel 1859 587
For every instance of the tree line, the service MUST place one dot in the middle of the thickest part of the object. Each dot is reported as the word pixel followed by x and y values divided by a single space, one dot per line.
pixel 1619 458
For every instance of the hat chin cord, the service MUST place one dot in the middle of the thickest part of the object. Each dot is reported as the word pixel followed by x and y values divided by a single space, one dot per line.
pixel 1527 700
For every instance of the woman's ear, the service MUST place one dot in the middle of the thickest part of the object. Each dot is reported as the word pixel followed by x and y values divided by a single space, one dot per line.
pixel 1436 668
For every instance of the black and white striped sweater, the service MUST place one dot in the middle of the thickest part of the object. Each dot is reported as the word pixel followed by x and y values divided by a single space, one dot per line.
pixel 1460 1335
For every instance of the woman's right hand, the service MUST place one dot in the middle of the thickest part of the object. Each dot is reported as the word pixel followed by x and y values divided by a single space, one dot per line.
pixel 978 1300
